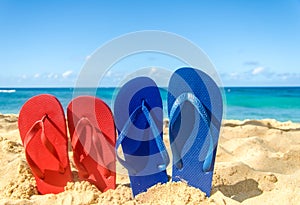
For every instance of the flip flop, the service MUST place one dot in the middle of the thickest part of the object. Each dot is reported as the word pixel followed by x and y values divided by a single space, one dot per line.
pixel 43 132
pixel 195 110
pixel 93 137
pixel 139 121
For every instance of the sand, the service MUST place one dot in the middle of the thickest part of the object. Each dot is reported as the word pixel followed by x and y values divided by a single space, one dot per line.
pixel 258 162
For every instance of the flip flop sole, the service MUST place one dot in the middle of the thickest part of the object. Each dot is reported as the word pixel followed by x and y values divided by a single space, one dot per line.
pixel 55 131
pixel 91 123
pixel 195 131
pixel 140 148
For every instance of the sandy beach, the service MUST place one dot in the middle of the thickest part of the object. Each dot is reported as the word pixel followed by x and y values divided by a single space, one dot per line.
pixel 258 162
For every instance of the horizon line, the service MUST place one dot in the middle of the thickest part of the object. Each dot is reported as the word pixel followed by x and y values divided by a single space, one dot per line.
pixel 227 86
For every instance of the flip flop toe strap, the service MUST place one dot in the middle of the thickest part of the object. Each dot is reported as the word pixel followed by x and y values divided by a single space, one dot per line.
pixel 205 115
pixel 142 109
pixel 30 135
pixel 89 146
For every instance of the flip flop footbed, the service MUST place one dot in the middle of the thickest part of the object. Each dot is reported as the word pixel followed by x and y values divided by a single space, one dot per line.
pixel 195 112
pixel 93 136
pixel 43 132
pixel 137 102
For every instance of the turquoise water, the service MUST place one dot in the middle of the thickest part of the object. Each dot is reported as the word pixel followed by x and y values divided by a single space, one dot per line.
pixel 281 103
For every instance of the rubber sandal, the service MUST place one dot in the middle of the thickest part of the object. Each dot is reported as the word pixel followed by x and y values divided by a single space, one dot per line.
pixel 195 110
pixel 93 138
pixel 43 132
pixel 139 121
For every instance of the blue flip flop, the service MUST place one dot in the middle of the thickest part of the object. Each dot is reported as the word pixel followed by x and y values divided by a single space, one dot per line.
pixel 195 109
pixel 139 121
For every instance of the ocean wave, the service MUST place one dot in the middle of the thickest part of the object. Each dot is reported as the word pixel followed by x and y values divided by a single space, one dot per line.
pixel 8 91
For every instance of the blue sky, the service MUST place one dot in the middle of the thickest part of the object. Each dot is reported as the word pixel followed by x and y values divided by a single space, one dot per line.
pixel 251 43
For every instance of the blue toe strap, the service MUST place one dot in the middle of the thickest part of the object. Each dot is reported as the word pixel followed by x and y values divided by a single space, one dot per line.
pixel 174 114
pixel 157 136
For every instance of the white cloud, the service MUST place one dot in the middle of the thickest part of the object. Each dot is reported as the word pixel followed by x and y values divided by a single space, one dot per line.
pixel 289 77
pixel 50 75
pixel 55 76
pixel 234 74
pixel 24 76
pixel 67 73
pixel 37 75
pixel 257 70
pixel 260 76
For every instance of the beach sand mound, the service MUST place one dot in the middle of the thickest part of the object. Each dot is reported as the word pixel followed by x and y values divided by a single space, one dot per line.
pixel 258 162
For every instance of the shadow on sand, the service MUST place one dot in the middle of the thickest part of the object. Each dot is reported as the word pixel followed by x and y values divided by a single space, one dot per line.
pixel 240 191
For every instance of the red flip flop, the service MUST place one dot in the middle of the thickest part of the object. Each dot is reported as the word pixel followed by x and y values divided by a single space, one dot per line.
pixel 43 132
pixel 93 138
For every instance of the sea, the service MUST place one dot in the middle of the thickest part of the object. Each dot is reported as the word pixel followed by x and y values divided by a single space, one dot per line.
pixel 240 103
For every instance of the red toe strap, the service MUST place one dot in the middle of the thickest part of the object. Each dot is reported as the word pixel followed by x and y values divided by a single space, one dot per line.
pixel 90 146
pixel 39 125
